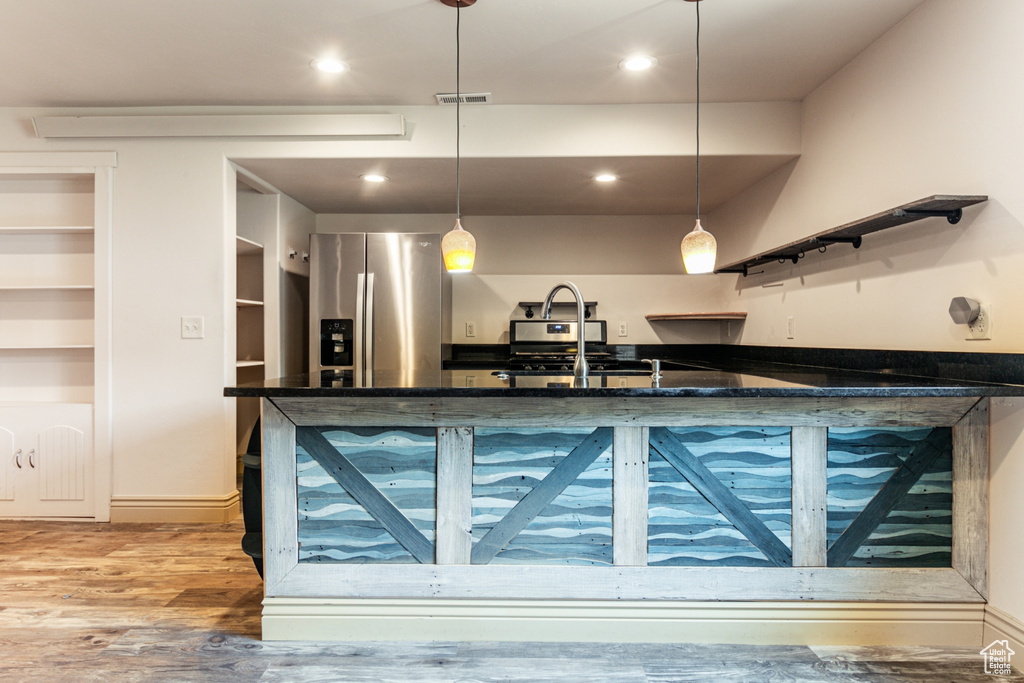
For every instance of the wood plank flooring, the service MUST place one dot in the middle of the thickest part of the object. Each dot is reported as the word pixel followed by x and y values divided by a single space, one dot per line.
pixel 169 602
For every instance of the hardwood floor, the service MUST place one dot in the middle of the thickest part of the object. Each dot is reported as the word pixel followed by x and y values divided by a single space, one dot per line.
pixel 169 602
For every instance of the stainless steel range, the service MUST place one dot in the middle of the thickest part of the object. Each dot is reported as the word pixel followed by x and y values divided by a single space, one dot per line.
pixel 550 345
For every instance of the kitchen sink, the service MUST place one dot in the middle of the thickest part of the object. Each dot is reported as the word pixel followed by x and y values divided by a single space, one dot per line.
pixel 563 373
pixel 560 379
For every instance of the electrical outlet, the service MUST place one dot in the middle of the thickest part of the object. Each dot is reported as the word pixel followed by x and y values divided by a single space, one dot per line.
pixel 470 329
pixel 192 327
pixel 790 328
pixel 981 328
pixel 623 382
pixel 470 380
pixel 623 330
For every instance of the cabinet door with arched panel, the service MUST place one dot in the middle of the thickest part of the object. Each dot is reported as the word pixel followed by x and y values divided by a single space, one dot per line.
pixel 46 460
pixel 8 463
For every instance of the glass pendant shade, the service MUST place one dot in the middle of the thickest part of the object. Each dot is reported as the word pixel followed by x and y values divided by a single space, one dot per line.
pixel 458 248
pixel 699 250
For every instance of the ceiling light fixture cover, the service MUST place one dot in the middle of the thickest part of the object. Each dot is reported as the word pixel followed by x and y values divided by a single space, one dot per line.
pixel 374 178
pixel 606 178
pixel 699 248
pixel 458 247
pixel 329 65
pixel 637 63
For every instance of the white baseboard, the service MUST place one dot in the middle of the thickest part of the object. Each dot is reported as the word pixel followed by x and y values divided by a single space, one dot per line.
pixel 780 623
pixel 1001 626
pixel 182 509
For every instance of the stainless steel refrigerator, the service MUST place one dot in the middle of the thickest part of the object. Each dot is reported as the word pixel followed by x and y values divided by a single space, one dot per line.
pixel 380 307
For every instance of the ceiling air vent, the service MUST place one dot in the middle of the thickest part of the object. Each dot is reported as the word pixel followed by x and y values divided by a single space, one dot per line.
pixel 464 98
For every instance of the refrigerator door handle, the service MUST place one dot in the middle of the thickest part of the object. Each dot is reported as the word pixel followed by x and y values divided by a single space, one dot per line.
pixel 369 330
pixel 357 364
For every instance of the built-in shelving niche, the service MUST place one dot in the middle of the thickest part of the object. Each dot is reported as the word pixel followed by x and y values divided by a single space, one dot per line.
pixel 54 344
pixel 249 335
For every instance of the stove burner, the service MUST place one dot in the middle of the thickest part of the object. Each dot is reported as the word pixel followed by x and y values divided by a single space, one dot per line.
pixel 524 360
pixel 550 345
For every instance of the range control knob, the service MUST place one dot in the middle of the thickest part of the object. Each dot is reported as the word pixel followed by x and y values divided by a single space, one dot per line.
pixel 541 367
pixel 527 367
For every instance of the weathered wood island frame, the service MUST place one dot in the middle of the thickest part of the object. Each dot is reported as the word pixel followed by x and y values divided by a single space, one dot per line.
pixel 449 597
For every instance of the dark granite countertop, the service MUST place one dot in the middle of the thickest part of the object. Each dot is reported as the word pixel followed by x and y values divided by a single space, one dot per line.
pixel 732 378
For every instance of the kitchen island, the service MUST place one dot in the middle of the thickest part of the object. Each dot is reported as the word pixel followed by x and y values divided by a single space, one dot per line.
pixel 788 506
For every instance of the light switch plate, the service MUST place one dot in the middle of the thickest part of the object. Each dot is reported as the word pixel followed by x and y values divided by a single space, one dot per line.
pixel 192 327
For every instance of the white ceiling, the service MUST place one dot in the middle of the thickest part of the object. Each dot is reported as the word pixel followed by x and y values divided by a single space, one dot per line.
pixel 134 53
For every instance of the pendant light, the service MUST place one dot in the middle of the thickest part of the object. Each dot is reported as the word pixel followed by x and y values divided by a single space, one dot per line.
pixel 458 247
pixel 698 249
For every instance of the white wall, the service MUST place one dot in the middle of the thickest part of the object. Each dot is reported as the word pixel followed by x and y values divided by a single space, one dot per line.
pixel 168 262
pixel 933 107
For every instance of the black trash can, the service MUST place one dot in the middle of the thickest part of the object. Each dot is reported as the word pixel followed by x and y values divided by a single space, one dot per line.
pixel 252 499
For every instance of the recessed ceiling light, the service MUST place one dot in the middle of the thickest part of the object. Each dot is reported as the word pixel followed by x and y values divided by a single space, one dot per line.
pixel 637 63
pixel 606 178
pixel 329 65
pixel 374 178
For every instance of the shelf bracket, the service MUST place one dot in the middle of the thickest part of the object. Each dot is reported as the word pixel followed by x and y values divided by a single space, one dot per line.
pixel 953 216
pixel 745 269
pixel 855 241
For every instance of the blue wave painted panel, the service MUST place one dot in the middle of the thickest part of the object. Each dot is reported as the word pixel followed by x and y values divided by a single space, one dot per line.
pixel 684 529
pixel 333 527
pixel 575 528
pixel 919 531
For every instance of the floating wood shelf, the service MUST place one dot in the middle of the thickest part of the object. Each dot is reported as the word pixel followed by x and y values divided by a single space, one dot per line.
pixel 46 230
pixel 723 315
pixel 246 247
pixel 44 347
pixel 28 288
pixel 949 206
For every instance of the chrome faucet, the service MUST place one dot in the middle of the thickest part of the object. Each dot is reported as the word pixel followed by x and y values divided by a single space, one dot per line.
pixel 580 367
pixel 655 367
pixel 655 371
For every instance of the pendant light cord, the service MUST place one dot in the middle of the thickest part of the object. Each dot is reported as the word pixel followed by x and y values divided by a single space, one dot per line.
pixel 697 7
pixel 458 122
